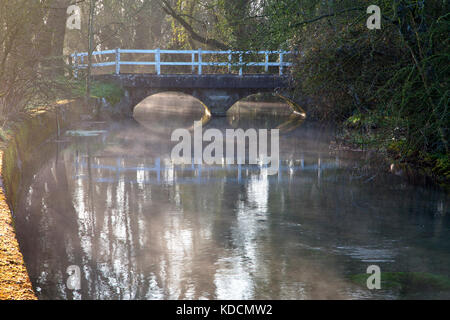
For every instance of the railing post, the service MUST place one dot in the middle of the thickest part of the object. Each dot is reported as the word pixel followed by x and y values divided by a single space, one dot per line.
pixel 193 61
pixel 230 57
pixel 266 67
pixel 281 63
pixel 117 61
pixel 75 63
pixel 199 60
pixel 240 63
pixel 158 61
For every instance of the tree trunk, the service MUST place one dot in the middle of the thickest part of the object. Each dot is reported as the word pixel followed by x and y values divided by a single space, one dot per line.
pixel 51 37
pixel 90 48
pixel 59 34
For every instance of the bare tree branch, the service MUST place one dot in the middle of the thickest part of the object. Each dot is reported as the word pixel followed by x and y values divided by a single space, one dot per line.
pixel 196 36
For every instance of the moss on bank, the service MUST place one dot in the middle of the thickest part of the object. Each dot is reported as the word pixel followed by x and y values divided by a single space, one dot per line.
pixel 408 283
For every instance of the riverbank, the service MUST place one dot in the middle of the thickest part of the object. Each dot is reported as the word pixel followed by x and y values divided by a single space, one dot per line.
pixel 16 149
pixel 14 281
pixel 388 154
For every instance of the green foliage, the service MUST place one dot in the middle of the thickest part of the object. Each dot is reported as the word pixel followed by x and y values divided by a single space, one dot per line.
pixel 109 91
pixel 441 165
pixel 3 135
pixel 112 93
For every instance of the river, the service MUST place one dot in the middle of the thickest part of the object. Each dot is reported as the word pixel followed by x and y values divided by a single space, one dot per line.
pixel 105 197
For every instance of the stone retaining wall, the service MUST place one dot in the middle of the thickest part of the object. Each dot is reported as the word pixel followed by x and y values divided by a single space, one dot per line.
pixel 27 137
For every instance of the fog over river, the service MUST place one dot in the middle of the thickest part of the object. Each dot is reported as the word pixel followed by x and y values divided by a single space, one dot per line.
pixel 106 197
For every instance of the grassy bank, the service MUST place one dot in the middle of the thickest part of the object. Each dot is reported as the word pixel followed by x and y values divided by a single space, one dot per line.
pixel 99 90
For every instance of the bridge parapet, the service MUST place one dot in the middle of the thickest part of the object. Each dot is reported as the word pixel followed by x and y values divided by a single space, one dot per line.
pixel 198 59
pixel 210 81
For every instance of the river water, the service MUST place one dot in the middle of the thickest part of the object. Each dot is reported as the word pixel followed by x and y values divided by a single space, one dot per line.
pixel 106 197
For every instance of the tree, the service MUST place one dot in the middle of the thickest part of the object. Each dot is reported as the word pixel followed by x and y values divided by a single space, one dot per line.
pixel 90 47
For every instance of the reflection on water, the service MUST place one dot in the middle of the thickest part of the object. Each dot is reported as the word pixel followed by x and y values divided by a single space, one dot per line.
pixel 140 227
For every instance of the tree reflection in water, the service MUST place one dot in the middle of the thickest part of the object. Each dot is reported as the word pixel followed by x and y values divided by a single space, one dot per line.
pixel 142 228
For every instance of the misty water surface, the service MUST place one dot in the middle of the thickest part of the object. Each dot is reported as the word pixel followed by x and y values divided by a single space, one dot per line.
pixel 112 203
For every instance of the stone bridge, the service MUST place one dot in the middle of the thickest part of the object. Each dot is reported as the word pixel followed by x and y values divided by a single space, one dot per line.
pixel 218 92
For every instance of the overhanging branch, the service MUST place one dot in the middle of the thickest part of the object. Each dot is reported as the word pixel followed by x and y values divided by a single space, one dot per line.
pixel 196 36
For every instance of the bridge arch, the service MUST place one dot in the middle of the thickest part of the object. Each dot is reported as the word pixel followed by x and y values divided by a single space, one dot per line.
pixel 216 102
pixel 175 97
pixel 283 97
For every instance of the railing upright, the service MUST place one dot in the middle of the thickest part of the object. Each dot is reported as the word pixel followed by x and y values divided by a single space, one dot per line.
pixel 266 67
pixel 75 64
pixel 240 63
pixel 117 61
pixel 281 63
pixel 199 60
pixel 193 62
pixel 230 57
pixel 158 61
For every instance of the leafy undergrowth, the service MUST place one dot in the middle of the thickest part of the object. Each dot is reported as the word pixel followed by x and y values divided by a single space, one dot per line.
pixel 109 91
pixel 387 137
pixel 64 88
